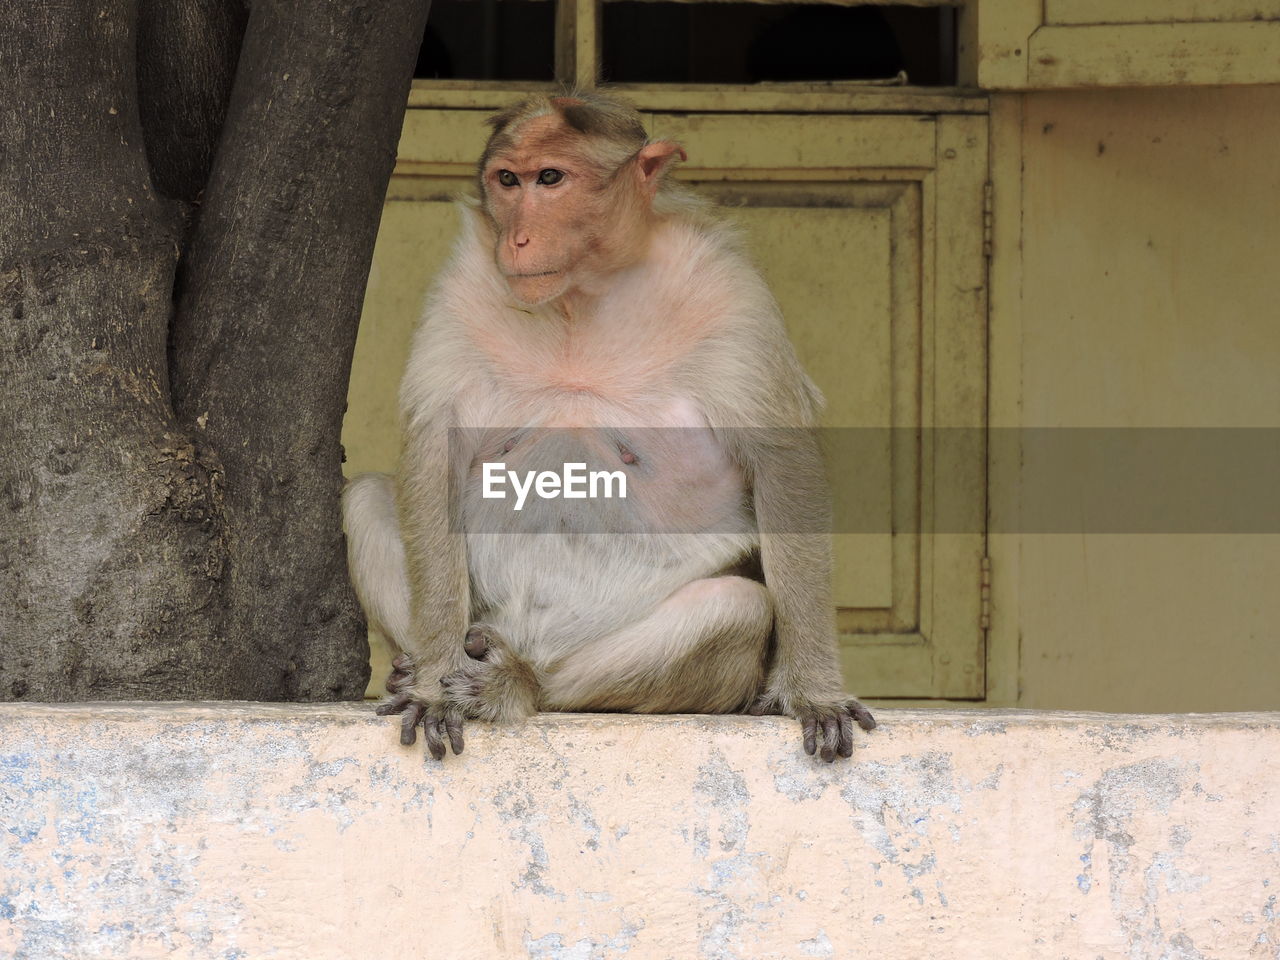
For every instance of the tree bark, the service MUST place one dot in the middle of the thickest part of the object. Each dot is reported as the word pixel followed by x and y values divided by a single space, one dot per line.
pixel 179 296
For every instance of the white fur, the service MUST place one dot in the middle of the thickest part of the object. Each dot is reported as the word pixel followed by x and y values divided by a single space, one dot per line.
pixel 375 554
pixel 671 343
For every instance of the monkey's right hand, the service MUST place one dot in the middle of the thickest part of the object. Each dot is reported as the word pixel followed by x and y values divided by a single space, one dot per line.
pixel 826 725
pixel 438 717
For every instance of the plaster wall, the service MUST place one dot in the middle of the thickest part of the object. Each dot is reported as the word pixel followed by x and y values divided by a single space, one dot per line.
pixel 245 831
pixel 1136 287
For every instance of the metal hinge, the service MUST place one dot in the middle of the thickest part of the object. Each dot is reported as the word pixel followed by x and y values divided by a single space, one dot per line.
pixel 987 204
pixel 984 607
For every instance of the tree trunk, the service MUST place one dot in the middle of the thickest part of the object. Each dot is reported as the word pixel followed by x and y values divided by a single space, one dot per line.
pixel 182 265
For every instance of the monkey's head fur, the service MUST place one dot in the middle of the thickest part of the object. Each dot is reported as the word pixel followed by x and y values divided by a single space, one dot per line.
pixel 572 187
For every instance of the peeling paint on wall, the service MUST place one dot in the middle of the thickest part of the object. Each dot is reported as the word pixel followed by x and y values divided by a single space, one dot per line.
pixel 266 831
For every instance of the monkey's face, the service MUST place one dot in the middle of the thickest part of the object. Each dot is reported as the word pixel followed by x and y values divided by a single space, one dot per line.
pixel 542 234
pixel 560 219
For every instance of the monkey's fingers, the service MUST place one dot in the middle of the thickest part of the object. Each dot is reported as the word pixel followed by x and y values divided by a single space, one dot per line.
pixel 846 735
pixel 830 738
pixel 409 723
pixel 398 681
pixel 395 705
pixel 809 729
pixel 860 713
pixel 453 727
pixel 764 706
pixel 403 663
pixel 432 727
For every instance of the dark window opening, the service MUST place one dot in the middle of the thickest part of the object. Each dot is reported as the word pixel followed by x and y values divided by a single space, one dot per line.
pixel 664 42
pixel 709 42
pixel 489 40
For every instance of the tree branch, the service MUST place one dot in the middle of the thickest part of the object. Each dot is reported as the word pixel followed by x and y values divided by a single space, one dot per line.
pixel 187 54
pixel 272 291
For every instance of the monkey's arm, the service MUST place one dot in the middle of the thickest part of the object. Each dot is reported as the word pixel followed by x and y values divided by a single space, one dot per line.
pixel 439 588
pixel 793 511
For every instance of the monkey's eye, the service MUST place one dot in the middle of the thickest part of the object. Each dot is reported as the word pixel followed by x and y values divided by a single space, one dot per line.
pixel 548 177
pixel 507 178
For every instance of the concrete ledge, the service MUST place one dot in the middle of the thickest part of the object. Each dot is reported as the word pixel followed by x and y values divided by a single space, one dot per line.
pixel 253 830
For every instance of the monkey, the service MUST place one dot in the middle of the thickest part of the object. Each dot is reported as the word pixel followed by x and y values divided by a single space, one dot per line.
pixel 595 310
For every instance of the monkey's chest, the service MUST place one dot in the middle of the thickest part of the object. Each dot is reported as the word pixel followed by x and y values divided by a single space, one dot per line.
pixel 564 475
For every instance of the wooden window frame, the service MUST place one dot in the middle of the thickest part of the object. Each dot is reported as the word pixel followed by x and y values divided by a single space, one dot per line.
pixel 1065 44
pixel 577 66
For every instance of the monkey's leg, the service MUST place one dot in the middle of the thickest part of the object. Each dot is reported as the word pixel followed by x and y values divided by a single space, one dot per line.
pixel 375 554
pixel 702 650
pixel 377 565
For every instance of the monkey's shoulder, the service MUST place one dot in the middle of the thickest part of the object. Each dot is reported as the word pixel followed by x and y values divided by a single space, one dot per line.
pixel 703 270
pixel 740 363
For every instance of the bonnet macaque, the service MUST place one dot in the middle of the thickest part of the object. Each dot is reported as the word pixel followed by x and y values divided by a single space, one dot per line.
pixel 595 313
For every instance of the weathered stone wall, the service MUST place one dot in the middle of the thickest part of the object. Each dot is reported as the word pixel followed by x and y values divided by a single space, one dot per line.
pixel 250 830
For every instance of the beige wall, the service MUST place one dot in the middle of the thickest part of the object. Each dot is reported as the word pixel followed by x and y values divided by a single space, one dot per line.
pixel 200 831
pixel 1146 293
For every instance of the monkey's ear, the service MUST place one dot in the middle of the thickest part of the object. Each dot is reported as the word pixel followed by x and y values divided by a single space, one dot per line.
pixel 654 158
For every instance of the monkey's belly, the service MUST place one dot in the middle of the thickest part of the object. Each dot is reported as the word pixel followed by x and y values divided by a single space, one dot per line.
pixel 549 594
pixel 561 571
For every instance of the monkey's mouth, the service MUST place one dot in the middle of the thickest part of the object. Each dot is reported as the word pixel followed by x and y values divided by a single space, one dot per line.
pixel 531 276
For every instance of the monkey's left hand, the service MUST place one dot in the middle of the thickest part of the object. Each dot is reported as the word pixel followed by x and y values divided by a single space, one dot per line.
pixel 832 719
pixel 438 719
pixel 493 684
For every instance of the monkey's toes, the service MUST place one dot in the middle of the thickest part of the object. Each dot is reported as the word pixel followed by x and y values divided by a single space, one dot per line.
pixel 478 641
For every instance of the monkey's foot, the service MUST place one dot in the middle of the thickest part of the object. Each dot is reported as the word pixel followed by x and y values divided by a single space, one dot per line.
pixel 495 683
pixel 830 720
